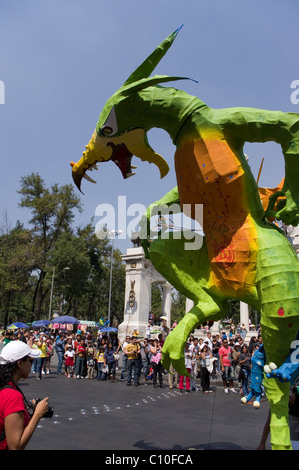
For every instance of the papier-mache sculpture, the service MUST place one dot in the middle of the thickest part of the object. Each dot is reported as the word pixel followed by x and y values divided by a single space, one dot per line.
pixel 242 255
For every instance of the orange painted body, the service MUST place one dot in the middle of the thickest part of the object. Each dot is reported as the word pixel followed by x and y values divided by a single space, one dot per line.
pixel 213 176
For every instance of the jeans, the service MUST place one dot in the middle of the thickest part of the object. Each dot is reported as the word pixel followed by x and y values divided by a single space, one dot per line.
pixel 125 365
pixel 79 366
pixel 158 371
pixel 205 379
pixel 60 361
pixel 144 368
pixel 133 365
pixel 245 380
pixel 111 369
pixel 39 366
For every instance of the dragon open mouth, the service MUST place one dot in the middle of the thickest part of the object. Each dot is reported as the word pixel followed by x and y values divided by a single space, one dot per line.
pixel 122 157
pixel 120 150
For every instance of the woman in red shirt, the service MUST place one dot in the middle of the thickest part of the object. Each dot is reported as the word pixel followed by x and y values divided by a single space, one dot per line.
pixel 16 425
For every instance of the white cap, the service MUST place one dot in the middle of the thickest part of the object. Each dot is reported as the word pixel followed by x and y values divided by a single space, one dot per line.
pixel 16 350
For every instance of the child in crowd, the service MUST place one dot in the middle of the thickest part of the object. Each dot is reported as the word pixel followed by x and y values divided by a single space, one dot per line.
pixel 100 362
pixel 188 365
pixel 69 360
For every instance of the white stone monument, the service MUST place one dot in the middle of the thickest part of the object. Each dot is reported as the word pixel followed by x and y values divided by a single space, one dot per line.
pixel 140 274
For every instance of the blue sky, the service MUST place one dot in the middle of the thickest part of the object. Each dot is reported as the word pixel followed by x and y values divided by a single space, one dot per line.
pixel 61 60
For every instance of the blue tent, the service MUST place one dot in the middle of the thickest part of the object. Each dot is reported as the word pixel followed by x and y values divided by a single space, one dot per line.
pixel 65 319
pixel 40 323
pixel 17 324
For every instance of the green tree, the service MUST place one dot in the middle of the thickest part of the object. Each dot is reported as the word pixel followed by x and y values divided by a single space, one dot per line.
pixel 16 265
pixel 52 213
pixel 178 308
pixel 85 286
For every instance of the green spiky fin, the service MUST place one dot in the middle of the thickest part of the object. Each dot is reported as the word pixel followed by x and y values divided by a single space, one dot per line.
pixel 146 68
pixel 140 78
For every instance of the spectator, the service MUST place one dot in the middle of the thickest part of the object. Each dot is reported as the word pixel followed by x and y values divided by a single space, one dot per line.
pixel 8 337
pixel 41 344
pixel 49 354
pixel 80 359
pixel 243 332
pixel 16 425
pixel 252 342
pixel 125 358
pixel 236 350
pixel 188 365
pixel 205 361
pixel 148 330
pixel 173 377
pixel 25 335
pixel 90 360
pixel 226 367
pixel 101 364
pixel 194 349
pixel 155 350
pixel 132 351
pixel 245 363
pixel 110 361
pixel 60 349
pixel 69 360
pixel 209 340
pixel 215 349
pixel 144 362
pixel 115 343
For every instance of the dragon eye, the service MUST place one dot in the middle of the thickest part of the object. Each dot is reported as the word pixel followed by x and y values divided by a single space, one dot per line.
pixel 110 126
pixel 107 130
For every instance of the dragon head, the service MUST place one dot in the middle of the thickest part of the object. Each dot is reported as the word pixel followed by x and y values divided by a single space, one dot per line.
pixel 121 130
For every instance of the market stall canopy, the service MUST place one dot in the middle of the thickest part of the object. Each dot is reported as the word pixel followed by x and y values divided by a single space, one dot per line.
pixel 108 329
pixel 40 323
pixel 16 325
pixel 89 323
pixel 65 319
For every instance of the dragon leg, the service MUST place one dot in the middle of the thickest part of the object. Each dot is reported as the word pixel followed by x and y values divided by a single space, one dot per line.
pixel 277 346
pixel 188 272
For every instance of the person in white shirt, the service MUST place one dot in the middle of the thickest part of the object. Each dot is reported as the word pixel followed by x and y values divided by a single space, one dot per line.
pixel 188 365
pixel 209 340
pixel 125 358
pixel 195 350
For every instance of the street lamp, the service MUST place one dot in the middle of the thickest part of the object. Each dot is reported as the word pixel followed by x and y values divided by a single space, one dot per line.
pixel 52 286
pixel 116 233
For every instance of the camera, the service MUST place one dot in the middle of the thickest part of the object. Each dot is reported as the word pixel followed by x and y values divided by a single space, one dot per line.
pixel 48 413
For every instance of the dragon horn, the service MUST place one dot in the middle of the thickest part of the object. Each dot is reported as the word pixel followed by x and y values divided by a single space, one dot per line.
pixel 145 69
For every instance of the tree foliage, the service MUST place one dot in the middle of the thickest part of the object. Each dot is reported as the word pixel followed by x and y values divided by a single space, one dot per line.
pixel 51 249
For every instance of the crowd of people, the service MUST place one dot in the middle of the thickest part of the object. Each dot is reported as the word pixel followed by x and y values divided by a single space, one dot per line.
pixel 91 355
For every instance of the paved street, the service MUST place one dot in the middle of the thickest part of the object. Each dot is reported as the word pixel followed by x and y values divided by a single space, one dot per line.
pixel 92 415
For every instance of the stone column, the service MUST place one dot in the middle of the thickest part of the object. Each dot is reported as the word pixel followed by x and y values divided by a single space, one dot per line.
pixel 137 294
pixel 244 315
pixel 189 304
pixel 140 274
pixel 167 301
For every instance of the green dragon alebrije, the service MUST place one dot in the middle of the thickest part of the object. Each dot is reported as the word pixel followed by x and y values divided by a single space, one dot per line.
pixel 243 256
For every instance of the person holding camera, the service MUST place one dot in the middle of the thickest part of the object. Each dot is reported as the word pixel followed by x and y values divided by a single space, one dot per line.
pixel 18 418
